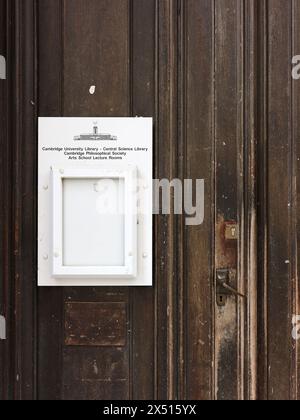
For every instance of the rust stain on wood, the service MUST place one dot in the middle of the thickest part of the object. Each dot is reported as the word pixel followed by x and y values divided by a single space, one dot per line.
pixel 226 251
pixel 95 324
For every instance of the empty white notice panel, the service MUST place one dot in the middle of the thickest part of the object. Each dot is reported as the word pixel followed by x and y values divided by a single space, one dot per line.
pixel 95 202
pixel 96 241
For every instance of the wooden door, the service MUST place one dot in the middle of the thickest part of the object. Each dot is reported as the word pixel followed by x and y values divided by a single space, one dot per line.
pixel 216 77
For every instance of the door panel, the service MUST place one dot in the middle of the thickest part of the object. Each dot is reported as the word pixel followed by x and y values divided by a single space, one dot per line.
pixel 216 77
pixel 105 28
pixel 198 133
pixel 108 64
pixel 18 180
pixel 279 202
pixel 228 134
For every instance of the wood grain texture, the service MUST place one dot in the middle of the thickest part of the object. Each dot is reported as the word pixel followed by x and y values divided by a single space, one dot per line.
pixel 96 52
pixel 50 300
pixel 278 198
pixel 248 204
pixel 143 33
pixel 5 204
pixel 278 223
pixel 20 192
pixel 280 255
pixel 101 324
pixel 97 373
pixel 103 61
pixel 295 153
pixel 198 129
pixel 165 167
pixel 216 77
pixel 228 131
pixel 262 189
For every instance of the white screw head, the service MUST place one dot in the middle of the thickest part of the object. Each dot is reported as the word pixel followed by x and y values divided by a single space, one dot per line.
pixel 92 90
pixel 130 254
pixel 45 257
pixel 45 187
pixel 145 255
pixel 62 171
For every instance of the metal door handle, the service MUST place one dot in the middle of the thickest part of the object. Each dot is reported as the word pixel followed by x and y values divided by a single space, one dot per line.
pixel 224 289
pixel 232 290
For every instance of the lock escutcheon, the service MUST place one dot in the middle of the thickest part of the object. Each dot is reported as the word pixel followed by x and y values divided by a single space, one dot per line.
pixel 226 281
pixel 231 232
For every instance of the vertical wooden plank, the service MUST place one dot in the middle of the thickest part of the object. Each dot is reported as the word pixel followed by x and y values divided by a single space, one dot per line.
pixel 143 104
pixel 180 222
pixel 50 300
pixel 228 135
pixel 296 204
pixel 3 120
pixel 83 376
pixel 5 205
pixel 96 52
pixel 22 131
pixel 280 256
pixel 262 189
pixel 248 202
pixel 198 257
pixel 165 152
pixel 53 102
pixel 50 33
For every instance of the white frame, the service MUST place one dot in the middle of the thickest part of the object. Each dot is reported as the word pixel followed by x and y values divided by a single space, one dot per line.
pixel 129 270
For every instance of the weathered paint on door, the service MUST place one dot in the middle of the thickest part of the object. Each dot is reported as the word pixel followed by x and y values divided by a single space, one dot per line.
pixel 216 77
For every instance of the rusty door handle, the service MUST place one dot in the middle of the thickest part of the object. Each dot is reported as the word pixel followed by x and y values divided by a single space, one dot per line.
pixel 224 276
pixel 232 290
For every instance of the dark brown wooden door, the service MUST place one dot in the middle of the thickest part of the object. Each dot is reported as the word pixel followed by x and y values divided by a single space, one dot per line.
pixel 216 77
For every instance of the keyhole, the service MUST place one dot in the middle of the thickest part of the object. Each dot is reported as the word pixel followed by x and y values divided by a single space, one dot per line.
pixel 221 300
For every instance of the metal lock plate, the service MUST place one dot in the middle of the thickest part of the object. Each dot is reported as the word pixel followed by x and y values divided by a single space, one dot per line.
pixel 231 232
pixel 223 276
pixel 221 300
pixel 226 283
